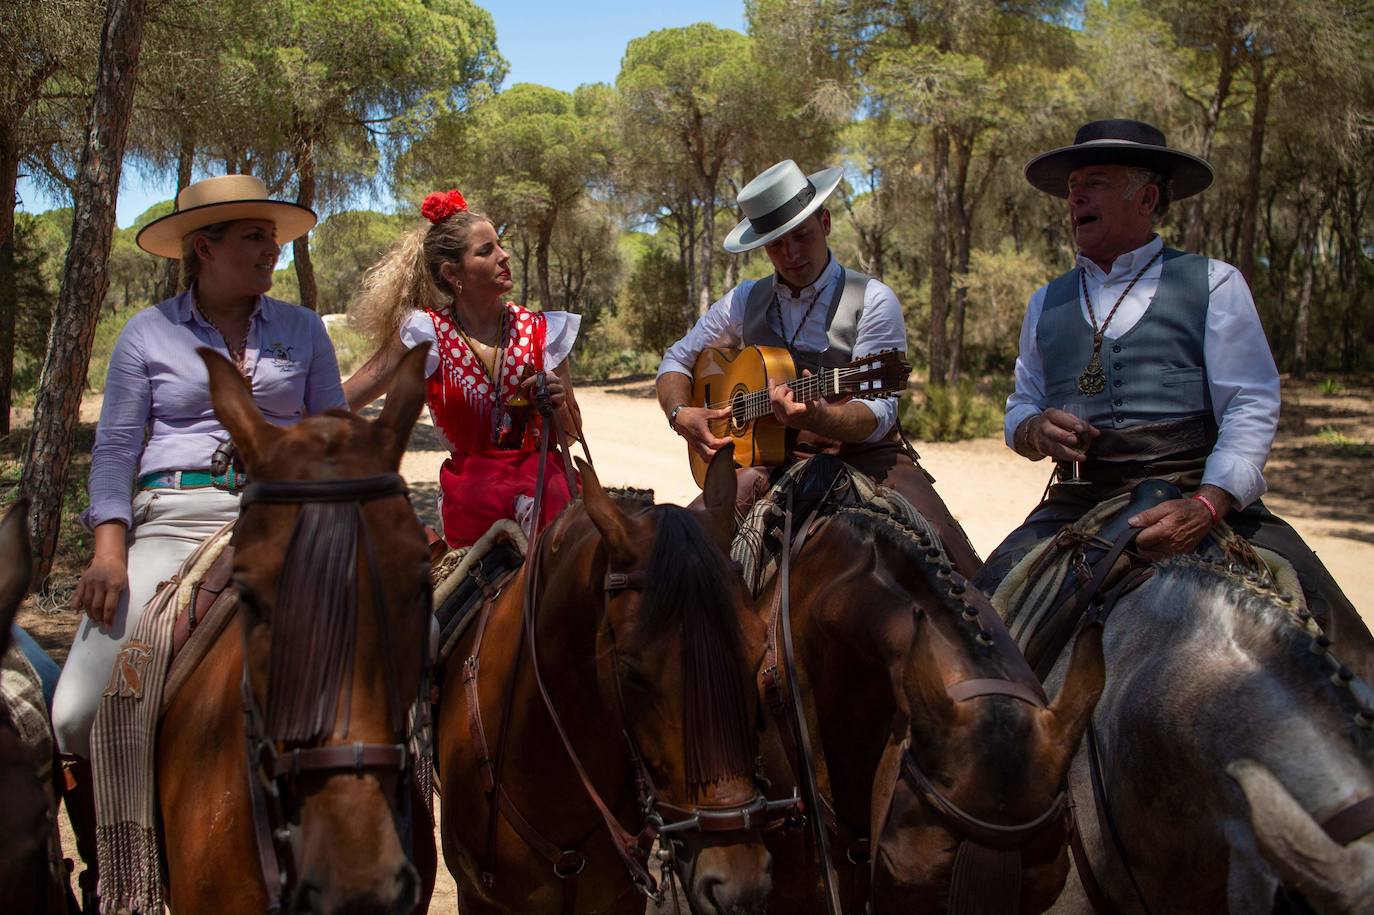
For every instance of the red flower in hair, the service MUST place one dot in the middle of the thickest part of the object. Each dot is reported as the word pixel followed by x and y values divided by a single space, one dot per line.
pixel 440 205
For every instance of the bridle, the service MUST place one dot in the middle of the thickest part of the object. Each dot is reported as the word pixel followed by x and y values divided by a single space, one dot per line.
pixel 660 819
pixel 987 865
pixel 274 773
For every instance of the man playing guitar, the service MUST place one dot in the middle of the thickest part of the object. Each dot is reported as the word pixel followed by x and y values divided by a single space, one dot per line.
pixel 825 315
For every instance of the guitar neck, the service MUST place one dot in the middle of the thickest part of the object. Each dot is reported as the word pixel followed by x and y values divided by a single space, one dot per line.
pixel 825 383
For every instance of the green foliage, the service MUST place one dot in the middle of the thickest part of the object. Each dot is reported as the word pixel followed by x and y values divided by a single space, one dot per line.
pixel 655 309
pixel 106 334
pixel 351 346
pixel 950 413
pixel 343 247
pixel 1331 387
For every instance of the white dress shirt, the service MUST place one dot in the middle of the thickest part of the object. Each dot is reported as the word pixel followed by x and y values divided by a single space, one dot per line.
pixel 1241 374
pixel 880 328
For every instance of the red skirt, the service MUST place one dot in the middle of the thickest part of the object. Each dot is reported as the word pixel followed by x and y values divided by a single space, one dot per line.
pixel 479 489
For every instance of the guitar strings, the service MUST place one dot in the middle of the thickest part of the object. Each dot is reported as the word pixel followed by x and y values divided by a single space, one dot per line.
pixel 756 403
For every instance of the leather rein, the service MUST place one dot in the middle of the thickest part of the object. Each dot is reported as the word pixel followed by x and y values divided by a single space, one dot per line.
pixel 273 772
pixel 975 834
pixel 659 818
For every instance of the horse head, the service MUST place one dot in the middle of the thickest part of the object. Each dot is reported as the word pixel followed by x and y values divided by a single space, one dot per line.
pixel 332 574
pixel 671 663
pixel 941 723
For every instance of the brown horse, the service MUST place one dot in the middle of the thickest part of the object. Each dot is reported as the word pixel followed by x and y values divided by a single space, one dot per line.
pixel 332 574
pixel 927 728
pixel 634 623
pixel 26 881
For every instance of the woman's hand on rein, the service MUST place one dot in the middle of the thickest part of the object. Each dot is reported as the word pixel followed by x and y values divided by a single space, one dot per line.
pixel 557 393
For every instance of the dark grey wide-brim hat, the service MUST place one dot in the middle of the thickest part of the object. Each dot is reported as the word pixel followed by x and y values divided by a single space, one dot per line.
pixel 1118 141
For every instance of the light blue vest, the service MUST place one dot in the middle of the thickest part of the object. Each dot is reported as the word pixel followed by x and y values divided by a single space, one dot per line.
pixel 1155 371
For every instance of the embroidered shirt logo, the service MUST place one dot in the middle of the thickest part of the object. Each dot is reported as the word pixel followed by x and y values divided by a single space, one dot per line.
pixel 281 355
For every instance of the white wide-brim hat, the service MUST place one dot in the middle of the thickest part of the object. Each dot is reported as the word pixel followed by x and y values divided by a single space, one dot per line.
pixel 223 199
pixel 777 201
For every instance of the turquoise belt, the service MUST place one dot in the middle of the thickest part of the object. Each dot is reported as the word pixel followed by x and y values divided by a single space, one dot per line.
pixel 189 479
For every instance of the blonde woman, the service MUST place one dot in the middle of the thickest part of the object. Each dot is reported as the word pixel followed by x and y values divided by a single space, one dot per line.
pixel 446 283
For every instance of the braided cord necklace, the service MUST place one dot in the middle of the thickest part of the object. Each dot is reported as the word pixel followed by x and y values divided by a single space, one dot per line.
pixel 500 420
pixel 796 332
pixel 1093 380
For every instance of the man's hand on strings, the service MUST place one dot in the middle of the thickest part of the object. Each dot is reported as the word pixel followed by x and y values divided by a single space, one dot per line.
pixel 694 424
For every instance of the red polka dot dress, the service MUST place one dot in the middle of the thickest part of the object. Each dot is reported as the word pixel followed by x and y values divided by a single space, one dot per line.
pixel 492 461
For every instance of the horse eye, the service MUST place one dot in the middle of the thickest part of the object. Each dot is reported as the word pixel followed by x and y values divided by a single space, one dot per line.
pixel 634 679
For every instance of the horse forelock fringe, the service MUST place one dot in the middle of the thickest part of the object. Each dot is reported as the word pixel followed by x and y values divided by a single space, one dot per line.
pixel 691 588
pixel 314 623
pixel 1269 627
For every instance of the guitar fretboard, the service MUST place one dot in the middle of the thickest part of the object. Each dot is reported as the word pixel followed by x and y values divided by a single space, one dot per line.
pixel 825 383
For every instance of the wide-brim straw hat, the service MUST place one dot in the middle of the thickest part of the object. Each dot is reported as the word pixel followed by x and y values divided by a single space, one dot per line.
pixel 1118 141
pixel 777 201
pixel 223 199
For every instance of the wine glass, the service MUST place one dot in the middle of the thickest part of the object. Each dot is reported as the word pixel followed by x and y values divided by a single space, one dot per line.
pixel 1073 470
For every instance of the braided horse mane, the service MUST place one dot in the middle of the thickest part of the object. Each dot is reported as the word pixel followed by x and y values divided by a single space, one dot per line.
pixel 1271 627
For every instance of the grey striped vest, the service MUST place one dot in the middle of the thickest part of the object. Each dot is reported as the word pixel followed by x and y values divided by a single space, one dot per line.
pixel 1155 371
pixel 841 323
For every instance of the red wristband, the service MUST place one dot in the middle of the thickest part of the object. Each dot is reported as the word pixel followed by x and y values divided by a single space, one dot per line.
pixel 1211 509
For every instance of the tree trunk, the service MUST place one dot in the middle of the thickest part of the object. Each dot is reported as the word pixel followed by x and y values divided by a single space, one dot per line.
pixel 171 270
pixel 300 248
pixel 1245 254
pixel 85 278
pixel 963 236
pixel 1211 119
pixel 9 308
pixel 523 256
pixel 9 293
pixel 1305 302
pixel 707 260
pixel 939 257
pixel 541 262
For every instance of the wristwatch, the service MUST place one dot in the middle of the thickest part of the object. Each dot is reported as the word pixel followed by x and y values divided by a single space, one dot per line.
pixel 672 416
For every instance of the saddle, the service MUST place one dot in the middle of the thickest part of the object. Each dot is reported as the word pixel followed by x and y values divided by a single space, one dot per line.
pixel 824 478
pixel 1090 563
pixel 466 578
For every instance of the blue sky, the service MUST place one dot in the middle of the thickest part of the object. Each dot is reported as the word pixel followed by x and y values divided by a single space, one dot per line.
pixel 555 43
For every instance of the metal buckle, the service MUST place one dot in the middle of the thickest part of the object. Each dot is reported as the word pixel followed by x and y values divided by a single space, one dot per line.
pixel 569 865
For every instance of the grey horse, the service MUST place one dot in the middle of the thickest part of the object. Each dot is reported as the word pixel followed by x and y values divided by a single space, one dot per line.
pixel 1227 734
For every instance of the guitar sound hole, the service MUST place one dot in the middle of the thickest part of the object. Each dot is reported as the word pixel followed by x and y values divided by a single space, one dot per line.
pixel 737 412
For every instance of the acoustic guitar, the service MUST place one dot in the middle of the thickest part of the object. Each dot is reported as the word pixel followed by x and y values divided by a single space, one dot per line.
pixel 738 379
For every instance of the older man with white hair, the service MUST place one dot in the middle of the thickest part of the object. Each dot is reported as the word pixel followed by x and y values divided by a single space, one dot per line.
pixel 1148 362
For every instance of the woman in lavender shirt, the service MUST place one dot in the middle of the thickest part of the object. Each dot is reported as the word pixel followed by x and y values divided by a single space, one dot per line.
pixel 158 430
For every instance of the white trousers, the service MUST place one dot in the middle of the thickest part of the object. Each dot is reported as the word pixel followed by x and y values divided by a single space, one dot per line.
pixel 168 525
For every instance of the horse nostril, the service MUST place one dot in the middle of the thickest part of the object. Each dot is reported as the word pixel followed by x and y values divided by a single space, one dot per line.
pixel 407 889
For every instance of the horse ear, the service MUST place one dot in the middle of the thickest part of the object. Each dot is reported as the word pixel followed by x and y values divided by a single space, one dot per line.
pixel 1335 878
pixel 17 566
pixel 1072 708
pixel 232 398
pixel 404 399
pixel 719 497
pixel 606 515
